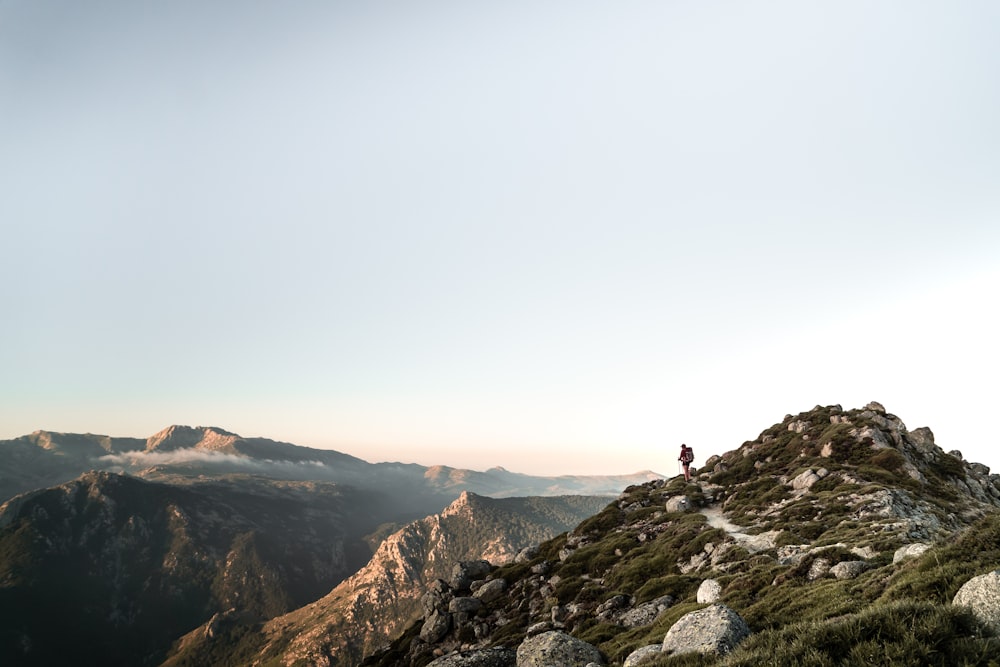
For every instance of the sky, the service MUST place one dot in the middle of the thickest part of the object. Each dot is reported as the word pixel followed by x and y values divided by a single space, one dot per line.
pixel 559 237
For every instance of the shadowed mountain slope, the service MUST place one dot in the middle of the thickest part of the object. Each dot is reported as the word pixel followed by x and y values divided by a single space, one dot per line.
pixel 117 567
pixel 375 604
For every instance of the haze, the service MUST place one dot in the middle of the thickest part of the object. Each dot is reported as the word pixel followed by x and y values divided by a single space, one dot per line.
pixel 560 237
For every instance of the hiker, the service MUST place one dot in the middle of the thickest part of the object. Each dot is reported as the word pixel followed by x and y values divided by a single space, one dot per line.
pixel 686 457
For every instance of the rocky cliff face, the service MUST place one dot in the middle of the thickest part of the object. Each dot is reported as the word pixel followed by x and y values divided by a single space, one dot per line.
pixel 116 567
pixel 376 603
pixel 835 537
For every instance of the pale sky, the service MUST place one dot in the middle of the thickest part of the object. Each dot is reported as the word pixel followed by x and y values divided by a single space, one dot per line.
pixel 558 237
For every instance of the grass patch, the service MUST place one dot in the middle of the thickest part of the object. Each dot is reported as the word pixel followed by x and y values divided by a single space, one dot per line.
pixel 901 633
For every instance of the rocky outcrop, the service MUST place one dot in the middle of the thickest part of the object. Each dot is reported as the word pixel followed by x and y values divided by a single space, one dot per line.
pixel 430 569
pixel 716 629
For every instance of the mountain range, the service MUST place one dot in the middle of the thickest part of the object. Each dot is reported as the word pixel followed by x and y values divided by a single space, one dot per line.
pixel 119 546
pixel 835 537
pixel 44 459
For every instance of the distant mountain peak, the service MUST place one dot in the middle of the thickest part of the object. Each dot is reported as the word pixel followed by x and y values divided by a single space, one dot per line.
pixel 200 437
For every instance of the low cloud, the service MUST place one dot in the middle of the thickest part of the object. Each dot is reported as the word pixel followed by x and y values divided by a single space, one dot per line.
pixel 139 460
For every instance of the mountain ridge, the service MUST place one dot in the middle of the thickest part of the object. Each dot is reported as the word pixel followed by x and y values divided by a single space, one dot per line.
pixel 47 458
pixel 830 528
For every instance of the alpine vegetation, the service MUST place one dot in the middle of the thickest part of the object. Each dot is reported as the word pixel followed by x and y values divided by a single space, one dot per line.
pixel 836 537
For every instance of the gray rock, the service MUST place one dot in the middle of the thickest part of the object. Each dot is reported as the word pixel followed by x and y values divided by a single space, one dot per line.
pixel 642 654
pixel 645 613
pixel 465 572
pixel 465 605
pixel 613 606
pixel 437 596
pixel 982 595
pixel 805 480
pixel 526 554
pixel 799 426
pixel 709 591
pixel 538 628
pixel 849 570
pixel 864 552
pixel 491 590
pixel 818 569
pixel 556 648
pixel 716 629
pixel 488 657
pixel 679 504
pixel 909 551
pixel 435 627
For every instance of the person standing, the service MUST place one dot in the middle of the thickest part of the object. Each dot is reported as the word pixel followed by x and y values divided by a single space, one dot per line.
pixel 686 457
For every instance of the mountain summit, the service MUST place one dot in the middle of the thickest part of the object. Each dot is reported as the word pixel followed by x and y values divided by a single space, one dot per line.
pixel 836 537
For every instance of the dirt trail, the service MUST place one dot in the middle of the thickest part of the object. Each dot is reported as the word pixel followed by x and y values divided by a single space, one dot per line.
pixel 717 520
pixel 752 543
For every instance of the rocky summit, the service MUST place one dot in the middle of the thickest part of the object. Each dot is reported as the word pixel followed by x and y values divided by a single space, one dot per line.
pixel 836 537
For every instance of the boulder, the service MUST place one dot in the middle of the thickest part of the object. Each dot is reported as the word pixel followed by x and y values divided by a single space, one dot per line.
pixel 613 606
pixel 491 590
pixel 466 605
pixel 818 569
pixel 909 551
pixel 436 597
pixel 556 648
pixel 642 654
pixel 709 591
pixel 805 480
pixel 465 572
pixel 982 595
pixel 526 554
pixel 715 629
pixel 488 657
pixel 645 613
pixel 679 504
pixel 435 627
pixel 849 570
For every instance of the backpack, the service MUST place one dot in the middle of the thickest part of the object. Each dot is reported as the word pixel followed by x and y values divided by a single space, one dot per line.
pixel 687 455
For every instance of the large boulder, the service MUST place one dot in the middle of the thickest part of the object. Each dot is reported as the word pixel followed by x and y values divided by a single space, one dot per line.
pixel 488 657
pixel 715 629
pixel 556 648
pixel 982 595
